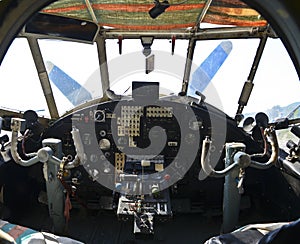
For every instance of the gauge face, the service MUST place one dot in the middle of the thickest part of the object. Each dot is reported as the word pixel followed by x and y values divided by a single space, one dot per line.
pixel 104 144
pixel 99 116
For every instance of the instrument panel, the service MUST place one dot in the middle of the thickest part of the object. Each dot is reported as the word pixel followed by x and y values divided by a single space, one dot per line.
pixel 127 137
pixel 143 145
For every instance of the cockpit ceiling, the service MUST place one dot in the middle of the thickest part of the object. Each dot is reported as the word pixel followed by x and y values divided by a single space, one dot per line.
pixel 133 14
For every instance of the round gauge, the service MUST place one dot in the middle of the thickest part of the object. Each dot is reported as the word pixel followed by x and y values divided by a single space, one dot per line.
pixel 104 144
pixel 99 116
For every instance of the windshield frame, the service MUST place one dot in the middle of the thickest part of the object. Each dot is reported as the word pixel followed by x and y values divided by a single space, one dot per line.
pixel 208 33
pixel 216 33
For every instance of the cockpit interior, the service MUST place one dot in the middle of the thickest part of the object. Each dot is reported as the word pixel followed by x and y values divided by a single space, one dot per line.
pixel 137 148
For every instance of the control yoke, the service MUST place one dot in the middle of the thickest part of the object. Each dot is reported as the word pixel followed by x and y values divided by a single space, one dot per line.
pixel 44 154
pixel 236 162
pixel 240 158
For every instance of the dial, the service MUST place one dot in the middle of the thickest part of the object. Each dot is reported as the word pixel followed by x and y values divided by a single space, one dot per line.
pixel 104 144
pixel 99 116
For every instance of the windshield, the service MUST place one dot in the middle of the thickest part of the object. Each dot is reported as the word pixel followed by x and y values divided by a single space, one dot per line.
pixel 71 66
pixel 78 65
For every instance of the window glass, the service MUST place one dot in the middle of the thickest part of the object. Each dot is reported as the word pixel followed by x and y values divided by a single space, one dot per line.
pixel 224 86
pixel 131 65
pixel 19 79
pixel 276 84
pixel 73 69
pixel 275 91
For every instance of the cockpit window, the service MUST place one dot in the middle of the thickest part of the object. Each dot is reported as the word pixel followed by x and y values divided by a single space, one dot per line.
pixel 18 75
pixel 131 65
pixel 223 85
pixel 73 69
pixel 276 89
pixel 275 74
pixel 74 72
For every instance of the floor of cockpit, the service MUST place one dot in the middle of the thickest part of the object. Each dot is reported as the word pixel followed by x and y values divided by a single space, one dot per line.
pixel 104 227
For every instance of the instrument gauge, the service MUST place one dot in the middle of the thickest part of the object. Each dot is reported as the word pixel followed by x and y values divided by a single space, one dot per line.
pixel 104 144
pixel 99 116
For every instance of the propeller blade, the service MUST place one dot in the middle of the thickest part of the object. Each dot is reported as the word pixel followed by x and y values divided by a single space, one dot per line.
pixel 71 89
pixel 207 70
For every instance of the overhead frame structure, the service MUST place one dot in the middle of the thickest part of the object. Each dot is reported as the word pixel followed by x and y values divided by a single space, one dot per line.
pixel 236 18
pixel 133 14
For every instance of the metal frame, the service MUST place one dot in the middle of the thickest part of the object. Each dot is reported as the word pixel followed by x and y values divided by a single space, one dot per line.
pixel 202 34
pixel 91 11
pixel 103 64
pixel 43 76
pixel 188 66
pixel 193 35
pixel 202 14
pixel 248 86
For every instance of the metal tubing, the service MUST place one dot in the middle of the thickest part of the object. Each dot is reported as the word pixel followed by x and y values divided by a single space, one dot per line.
pixel 16 125
pixel 203 34
pixel 242 161
pixel 271 135
pixel 80 155
pixel 257 58
pixel 206 166
pixel 15 154
pixel 202 14
pixel 91 11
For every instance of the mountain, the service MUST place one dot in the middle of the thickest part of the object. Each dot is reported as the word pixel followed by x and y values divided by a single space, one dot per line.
pixel 291 111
